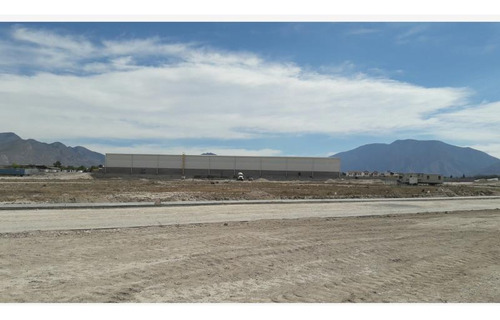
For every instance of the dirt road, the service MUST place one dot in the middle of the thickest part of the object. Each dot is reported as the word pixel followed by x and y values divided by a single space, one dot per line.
pixel 69 219
pixel 431 257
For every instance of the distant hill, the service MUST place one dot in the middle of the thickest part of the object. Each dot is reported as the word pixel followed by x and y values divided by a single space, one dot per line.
pixel 417 156
pixel 14 149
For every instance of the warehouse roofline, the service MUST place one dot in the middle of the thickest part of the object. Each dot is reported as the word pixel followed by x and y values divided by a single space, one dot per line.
pixel 211 155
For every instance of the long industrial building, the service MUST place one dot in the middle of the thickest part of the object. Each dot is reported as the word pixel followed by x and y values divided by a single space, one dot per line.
pixel 212 166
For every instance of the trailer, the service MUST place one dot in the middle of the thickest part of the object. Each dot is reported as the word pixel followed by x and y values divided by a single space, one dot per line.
pixel 420 178
pixel 12 172
pixel 17 171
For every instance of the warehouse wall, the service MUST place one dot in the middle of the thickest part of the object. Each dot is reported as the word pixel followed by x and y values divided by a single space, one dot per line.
pixel 223 166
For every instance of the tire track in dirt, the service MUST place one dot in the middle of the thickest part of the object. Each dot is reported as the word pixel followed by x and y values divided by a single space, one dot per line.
pixel 412 258
pixel 259 264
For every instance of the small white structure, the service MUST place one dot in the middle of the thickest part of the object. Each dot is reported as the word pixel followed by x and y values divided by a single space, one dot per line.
pixel 420 178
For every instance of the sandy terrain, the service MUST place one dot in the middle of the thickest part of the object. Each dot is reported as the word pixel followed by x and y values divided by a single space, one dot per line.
pixel 431 257
pixel 83 188
pixel 217 257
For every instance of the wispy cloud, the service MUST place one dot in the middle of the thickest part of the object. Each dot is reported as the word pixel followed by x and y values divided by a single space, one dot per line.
pixel 415 33
pixel 162 149
pixel 362 31
pixel 490 148
pixel 75 45
pixel 474 123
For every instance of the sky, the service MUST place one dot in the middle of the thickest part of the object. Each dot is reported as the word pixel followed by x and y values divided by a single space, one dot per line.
pixel 250 88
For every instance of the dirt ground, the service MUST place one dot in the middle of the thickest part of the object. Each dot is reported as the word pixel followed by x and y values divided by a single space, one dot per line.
pixel 432 257
pixel 83 188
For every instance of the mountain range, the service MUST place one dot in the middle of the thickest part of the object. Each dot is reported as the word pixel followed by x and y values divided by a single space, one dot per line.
pixel 419 156
pixel 399 156
pixel 13 149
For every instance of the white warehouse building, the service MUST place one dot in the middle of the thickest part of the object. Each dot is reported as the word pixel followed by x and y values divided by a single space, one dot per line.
pixel 213 166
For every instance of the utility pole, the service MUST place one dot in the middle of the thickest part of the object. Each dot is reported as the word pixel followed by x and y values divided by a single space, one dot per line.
pixel 183 163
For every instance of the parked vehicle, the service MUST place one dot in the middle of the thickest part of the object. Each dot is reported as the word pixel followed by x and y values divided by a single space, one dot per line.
pixel 240 176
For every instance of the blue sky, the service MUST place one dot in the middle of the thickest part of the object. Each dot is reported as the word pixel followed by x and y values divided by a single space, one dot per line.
pixel 283 88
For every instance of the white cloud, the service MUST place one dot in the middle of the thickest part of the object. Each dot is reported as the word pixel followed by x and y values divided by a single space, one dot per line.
pixel 328 154
pixel 75 45
pixel 414 33
pixel 477 123
pixel 362 31
pixel 193 150
pixel 191 100
pixel 144 47
pixel 493 149
pixel 486 113
pixel 197 92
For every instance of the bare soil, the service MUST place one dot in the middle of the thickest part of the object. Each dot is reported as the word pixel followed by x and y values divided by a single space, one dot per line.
pixel 432 257
pixel 83 188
